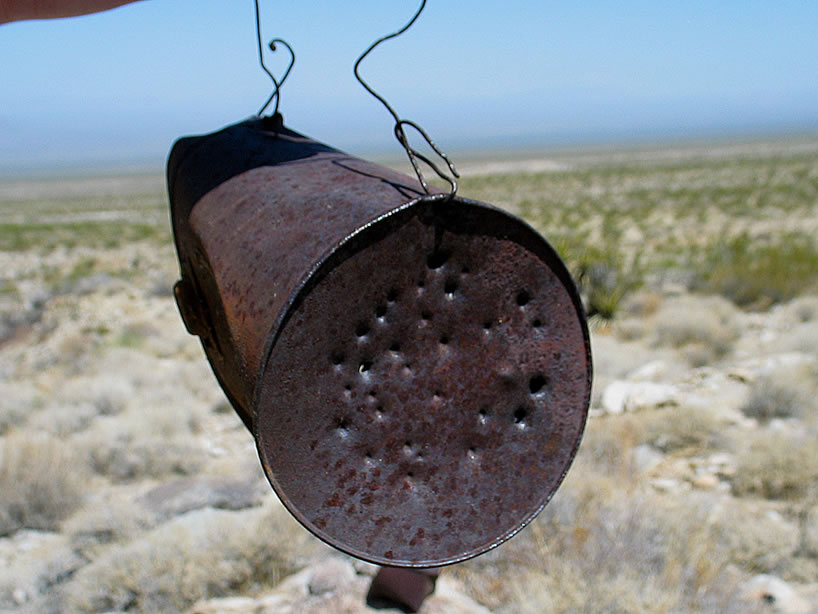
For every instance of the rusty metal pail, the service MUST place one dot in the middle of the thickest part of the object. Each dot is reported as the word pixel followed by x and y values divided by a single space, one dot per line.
pixel 416 372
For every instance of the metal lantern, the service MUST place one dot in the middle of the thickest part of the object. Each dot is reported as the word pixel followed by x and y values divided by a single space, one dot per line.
pixel 415 369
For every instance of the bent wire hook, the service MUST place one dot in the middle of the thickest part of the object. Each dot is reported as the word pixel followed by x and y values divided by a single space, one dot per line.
pixel 276 83
pixel 400 133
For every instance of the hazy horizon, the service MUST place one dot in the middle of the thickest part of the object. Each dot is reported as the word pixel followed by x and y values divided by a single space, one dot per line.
pixel 119 87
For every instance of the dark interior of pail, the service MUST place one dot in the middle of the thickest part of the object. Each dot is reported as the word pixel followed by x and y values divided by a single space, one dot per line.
pixel 426 392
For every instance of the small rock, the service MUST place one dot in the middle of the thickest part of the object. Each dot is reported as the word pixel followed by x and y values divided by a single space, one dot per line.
pixel 621 396
pixel 706 481
pixel 450 598
pixel 649 371
pixel 646 457
pixel 330 575
pixel 226 605
pixel 776 593
pixel 19 595
pixel 669 485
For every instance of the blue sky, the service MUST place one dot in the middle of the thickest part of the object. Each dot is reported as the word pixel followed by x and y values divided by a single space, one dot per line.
pixel 122 85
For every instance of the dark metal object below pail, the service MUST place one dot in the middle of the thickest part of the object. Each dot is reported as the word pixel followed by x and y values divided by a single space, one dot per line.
pixel 416 372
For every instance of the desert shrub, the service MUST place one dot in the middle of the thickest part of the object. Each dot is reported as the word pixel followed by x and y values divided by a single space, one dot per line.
pixel 108 393
pixel 125 460
pixel 773 397
pixel 752 271
pixel 603 274
pixel 700 327
pixel 113 520
pixel 607 448
pixel 800 338
pixel 18 400
pixel 755 538
pixel 776 466
pixel 805 308
pixel 62 420
pixel 202 554
pixel 591 551
pixel 42 481
pixel 108 234
pixel 679 428
pixel 152 438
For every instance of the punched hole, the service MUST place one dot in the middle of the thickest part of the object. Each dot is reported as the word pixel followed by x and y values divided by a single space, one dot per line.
pixel 523 298
pixel 537 323
pixel 362 330
pixel 520 414
pixel 438 258
pixel 365 366
pixel 426 315
pixel 342 424
pixel 392 296
pixel 373 393
pixel 483 415
pixel 395 347
pixel 450 287
pixel 421 283
pixel 488 324
pixel 537 383
pixel 410 474
pixel 465 270
pixel 380 311
pixel 444 340
pixel 337 358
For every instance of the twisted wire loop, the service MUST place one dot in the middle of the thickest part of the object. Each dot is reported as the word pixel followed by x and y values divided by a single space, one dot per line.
pixel 276 93
pixel 400 133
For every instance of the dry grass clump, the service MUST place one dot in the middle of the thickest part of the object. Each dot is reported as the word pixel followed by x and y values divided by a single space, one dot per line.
pixel 126 460
pixel 203 554
pixel 800 338
pixel 108 393
pixel 681 428
pixel 104 521
pixel 777 466
pixel 774 396
pixel 42 481
pixel 148 441
pixel 593 550
pixel 702 328
pixel 758 540
pixel 17 401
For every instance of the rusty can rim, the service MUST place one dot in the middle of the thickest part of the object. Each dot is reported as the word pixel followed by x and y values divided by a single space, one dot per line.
pixel 336 254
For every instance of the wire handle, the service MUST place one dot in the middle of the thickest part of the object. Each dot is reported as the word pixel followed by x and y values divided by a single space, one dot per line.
pixel 276 93
pixel 400 133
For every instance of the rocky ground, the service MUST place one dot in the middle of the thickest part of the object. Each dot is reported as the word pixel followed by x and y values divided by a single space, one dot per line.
pixel 128 484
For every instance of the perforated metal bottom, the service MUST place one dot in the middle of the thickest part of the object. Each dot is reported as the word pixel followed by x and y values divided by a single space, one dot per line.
pixel 427 392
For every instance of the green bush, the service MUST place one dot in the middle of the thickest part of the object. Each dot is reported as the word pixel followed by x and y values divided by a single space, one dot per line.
pixel 603 275
pixel 753 272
